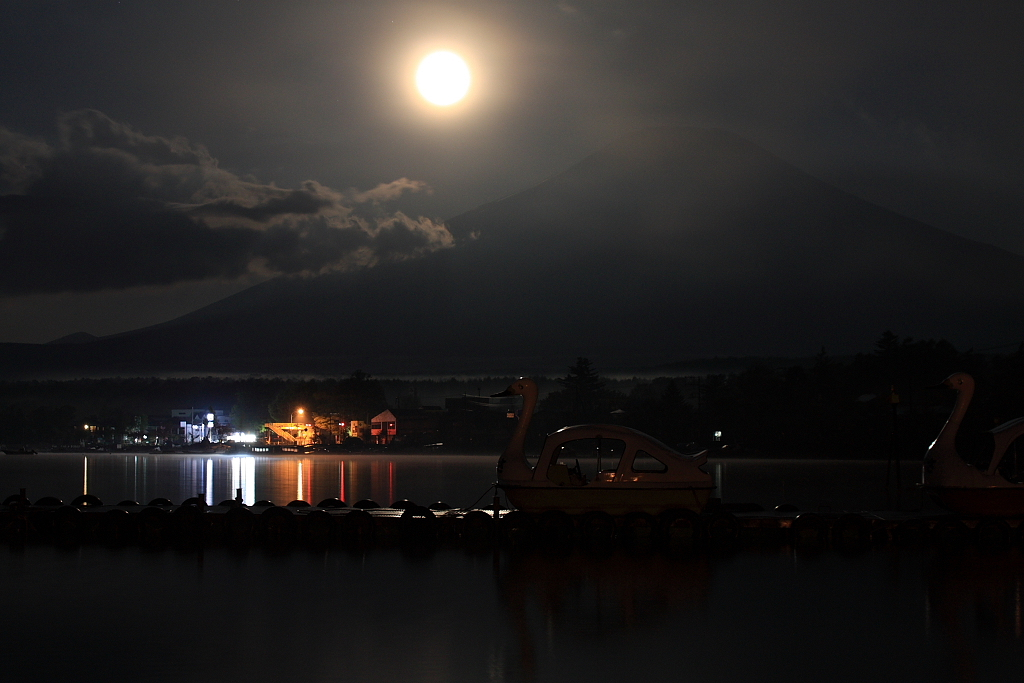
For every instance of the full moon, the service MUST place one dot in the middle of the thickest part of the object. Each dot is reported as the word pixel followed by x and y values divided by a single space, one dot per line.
pixel 443 78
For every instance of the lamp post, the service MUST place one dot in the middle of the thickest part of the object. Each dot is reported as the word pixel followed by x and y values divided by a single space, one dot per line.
pixel 300 412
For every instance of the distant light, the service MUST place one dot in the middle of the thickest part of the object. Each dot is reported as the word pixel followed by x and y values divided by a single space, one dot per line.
pixel 718 436
pixel 209 417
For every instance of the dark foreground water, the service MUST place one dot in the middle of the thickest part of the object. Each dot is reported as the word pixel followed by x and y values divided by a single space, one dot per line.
pixel 94 614
pixel 97 614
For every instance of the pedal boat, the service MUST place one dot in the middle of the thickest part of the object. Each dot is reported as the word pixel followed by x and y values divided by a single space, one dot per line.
pixel 960 487
pixel 675 481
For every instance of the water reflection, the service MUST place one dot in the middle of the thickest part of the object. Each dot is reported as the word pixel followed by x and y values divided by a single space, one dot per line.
pixel 113 477
pixel 452 616
pixel 974 597
pixel 764 615
pixel 457 480
pixel 915 614
pixel 555 601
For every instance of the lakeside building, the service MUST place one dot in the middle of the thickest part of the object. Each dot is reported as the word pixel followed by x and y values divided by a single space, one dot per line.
pixel 201 425
pixel 178 427
pixel 326 430
pixel 464 422
pixel 289 434
pixel 412 426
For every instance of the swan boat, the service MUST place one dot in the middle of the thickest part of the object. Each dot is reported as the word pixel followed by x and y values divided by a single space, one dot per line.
pixel 634 472
pixel 959 486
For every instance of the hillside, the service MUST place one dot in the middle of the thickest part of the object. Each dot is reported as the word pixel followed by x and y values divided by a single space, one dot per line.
pixel 668 244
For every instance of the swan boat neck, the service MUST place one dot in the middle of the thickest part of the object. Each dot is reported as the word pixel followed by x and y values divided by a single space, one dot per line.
pixel 959 486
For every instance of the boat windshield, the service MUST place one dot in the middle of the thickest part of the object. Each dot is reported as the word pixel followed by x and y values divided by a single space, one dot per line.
pixel 600 456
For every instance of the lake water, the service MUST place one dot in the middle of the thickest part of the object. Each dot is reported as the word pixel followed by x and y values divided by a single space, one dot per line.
pixel 458 480
pixel 98 614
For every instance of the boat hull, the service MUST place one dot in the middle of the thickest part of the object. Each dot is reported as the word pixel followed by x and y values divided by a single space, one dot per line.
pixel 1001 501
pixel 615 500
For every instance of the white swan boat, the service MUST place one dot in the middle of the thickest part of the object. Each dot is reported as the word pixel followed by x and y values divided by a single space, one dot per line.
pixel 959 486
pixel 633 473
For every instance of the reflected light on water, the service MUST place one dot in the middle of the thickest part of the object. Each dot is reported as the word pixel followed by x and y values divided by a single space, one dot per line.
pixel 341 481
pixel 209 481
pixel 391 483
pixel 457 480
pixel 829 485
pixel 192 477
pixel 243 476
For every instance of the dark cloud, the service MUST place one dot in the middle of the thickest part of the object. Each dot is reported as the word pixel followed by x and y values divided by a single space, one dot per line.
pixel 111 208
pixel 53 245
pixel 88 129
pixel 300 202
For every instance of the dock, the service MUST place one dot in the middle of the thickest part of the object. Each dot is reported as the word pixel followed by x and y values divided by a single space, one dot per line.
pixel 366 525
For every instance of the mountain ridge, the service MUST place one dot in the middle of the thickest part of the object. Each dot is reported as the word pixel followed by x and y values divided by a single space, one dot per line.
pixel 666 244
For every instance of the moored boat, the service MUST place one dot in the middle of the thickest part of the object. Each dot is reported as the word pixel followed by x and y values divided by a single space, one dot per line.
pixel 959 486
pixel 633 472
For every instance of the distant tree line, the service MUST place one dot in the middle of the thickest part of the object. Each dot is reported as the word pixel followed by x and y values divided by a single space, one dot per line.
pixel 885 402
pixel 873 404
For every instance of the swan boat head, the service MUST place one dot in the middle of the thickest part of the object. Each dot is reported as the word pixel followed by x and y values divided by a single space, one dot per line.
pixel 513 464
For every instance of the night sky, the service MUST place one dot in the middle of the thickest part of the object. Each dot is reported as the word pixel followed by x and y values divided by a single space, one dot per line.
pixel 158 156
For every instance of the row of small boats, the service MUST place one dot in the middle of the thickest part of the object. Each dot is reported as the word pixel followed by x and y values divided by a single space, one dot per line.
pixel 635 472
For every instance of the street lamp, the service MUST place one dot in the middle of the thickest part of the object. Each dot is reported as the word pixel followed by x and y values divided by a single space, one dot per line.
pixel 298 430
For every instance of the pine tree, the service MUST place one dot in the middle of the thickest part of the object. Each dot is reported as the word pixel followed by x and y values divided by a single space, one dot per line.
pixel 583 385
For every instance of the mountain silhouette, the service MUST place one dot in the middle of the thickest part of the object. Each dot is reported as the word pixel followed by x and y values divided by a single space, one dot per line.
pixel 670 243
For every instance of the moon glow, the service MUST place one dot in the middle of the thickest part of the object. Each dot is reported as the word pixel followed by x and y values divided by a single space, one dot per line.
pixel 443 78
